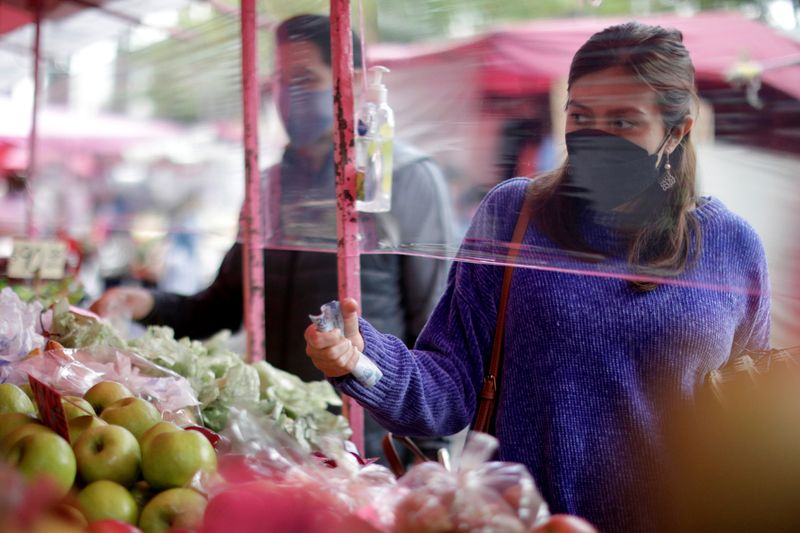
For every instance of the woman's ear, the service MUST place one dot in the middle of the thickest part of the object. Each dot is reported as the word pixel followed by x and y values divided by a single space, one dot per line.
pixel 679 132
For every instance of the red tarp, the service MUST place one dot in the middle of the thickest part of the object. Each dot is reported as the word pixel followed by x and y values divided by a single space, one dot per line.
pixel 524 59
pixel 12 18
pixel 16 13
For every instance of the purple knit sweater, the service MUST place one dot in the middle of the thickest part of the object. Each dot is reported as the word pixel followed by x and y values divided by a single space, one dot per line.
pixel 592 369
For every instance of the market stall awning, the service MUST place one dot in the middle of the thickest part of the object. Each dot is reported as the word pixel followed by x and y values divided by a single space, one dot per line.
pixel 12 18
pixel 523 59
pixel 64 128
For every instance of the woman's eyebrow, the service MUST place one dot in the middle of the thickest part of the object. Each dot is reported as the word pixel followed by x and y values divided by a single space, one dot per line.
pixel 575 103
pixel 625 110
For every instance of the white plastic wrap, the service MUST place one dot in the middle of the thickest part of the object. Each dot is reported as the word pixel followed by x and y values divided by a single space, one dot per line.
pixel 73 372
pixel 20 326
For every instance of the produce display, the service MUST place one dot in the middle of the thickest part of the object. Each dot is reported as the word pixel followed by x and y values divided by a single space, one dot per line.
pixel 220 378
pixel 110 451
pixel 99 434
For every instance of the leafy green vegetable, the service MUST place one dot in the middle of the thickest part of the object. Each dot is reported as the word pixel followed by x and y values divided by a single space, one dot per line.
pixel 220 378
pixel 47 292
pixel 76 331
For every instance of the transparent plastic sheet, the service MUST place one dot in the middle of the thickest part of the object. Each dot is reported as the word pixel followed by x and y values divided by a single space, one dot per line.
pixel 481 495
pixel 464 83
pixel 266 481
pixel 465 86
pixel 139 117
pixel 73 372
pixel 463 98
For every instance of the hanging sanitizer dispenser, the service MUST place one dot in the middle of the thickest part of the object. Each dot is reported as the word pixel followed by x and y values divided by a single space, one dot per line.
pixel 374 147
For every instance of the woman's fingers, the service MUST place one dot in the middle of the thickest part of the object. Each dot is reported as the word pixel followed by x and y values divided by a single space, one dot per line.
pixel 333 354
pixel 349 309
pixel 322 339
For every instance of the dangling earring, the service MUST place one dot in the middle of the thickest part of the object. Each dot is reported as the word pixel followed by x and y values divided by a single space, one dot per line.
pixel 667 180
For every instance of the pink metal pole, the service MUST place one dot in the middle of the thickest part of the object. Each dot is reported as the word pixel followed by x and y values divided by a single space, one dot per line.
pixel 347 217
pixel 30 231
pixel 254 209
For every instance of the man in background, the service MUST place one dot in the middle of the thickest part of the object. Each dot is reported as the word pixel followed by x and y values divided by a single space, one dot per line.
pixel 398 291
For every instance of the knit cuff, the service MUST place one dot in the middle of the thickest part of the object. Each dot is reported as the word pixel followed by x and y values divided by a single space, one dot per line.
pixel 379 351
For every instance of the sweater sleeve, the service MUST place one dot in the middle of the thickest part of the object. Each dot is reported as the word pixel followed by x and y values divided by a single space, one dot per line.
pixel 433 389
pixel 201 315
pixel 753 332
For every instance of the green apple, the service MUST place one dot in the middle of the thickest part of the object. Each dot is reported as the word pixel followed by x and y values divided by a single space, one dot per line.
pixel 26 388
pixel 172 458
pixel 14 400
pixel 158 429
pixel 134 414
pixel 11 421
pixel 177 508
pixel 103 394
pixel 80 424
pixel 108 453
pixel 106 500
pixel 44 455
pixel 20 433
pixel 75 406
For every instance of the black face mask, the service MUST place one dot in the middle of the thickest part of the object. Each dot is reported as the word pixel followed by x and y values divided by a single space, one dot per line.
pixel 607 171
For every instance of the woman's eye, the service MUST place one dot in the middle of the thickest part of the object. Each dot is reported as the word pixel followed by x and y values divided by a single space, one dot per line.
pixel 579 118
pixel 621 123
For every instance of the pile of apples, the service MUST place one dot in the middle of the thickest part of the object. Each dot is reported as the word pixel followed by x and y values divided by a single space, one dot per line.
pixel 123 464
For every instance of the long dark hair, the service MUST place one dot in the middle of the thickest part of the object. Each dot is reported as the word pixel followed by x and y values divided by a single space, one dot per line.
pixel 670 236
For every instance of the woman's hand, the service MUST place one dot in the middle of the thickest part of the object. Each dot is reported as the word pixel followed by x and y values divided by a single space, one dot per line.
pixel 334 352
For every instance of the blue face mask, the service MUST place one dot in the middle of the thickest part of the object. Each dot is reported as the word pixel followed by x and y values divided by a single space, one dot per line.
pixel 306 115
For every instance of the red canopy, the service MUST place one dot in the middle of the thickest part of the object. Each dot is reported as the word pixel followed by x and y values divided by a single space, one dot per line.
pixel 12 18
pixel 16 13
pixel 524 59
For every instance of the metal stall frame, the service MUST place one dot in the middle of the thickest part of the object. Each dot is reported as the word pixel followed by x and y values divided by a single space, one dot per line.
pixel 348 255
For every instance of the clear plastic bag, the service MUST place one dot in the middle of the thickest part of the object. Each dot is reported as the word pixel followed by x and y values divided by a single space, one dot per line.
pixel 481 495
pixel 20 327
pixel 73 372
pixel 266 481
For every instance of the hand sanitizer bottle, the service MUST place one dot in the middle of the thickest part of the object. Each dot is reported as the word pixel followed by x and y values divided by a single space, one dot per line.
pixel 374 147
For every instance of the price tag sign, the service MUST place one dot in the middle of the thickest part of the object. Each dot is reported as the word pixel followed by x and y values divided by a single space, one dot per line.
pixel 43 259
pixel 51 410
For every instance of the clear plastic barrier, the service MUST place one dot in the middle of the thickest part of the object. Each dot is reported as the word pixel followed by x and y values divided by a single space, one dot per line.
pixel 139 156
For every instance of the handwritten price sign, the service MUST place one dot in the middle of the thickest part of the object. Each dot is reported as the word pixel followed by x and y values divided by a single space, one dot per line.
pixel 51 410
pixel 43 259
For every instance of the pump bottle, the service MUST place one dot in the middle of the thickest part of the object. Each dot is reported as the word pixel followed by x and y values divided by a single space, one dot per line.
pixel 374 147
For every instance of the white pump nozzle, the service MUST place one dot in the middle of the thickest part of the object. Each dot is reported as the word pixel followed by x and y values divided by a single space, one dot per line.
pixel 377 90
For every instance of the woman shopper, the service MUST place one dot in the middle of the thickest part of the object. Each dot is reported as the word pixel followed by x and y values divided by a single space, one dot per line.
pixel 593 366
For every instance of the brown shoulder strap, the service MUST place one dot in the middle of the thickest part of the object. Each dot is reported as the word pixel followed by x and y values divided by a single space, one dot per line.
pixel 486 403
pixel 390 451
